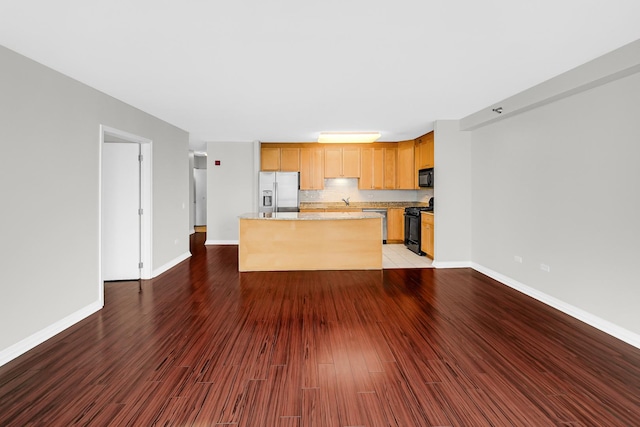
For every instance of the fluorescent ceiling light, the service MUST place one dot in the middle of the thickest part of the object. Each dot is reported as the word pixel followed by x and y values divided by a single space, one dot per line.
pixel 347 137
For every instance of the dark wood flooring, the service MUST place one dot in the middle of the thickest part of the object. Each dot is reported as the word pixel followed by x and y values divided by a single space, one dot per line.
pixel 204 345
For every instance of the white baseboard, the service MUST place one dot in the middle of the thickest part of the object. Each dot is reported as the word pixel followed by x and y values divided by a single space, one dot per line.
pixel 451 264
pixel 221 242
pixel 41 336
pixel 582 315
pixel 158 271
pixel 193 231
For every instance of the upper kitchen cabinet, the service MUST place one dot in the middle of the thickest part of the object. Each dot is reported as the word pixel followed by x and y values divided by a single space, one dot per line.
pixel 311 168
pixel 424 151
pixel 289 159
pixel 269 158
pixel 390 166
pixel 342 162
pixel 286 159
pixel 378 168
pixel 406 172
pixel 372 169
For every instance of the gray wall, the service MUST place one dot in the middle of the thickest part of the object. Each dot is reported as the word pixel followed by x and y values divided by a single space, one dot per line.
pixel 231 188
pixel 559 185
pixel 192 194
pixel 452 195
pixel 49 219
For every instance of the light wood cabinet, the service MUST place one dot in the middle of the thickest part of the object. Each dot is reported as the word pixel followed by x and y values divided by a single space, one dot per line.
pixel 406 171
pixel 390 160
pixel 424 151
pixel 286 159
pixel 345 209
pixel 378 168
pixel 311 168
pixel 395 225
pixel 342 162
pixel 427 234
pixel 372 169
pixel 290 159
pixel 269 158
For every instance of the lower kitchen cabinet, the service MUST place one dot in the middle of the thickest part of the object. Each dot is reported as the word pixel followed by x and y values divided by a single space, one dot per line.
pixel 395 225
pixel 343 210
pixel 426 234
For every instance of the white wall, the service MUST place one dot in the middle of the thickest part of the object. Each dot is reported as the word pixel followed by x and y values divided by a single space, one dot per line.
pixel 49 275
pixel 231 188
pixel 559 185
pixel 452 197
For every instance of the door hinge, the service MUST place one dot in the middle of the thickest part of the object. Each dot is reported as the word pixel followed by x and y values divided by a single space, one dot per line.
pixel 140 211
pixel 139 265
pixel 139 157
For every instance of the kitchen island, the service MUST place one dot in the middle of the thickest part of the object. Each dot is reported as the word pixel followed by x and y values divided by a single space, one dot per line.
pixel 287 241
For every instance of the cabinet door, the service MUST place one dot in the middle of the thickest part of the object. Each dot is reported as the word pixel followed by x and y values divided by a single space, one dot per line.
pixel 289 159
pixel 395 225
pixel 269 159
pixel 424 148
pixel 427 234
pixel 351 162
pixel 366 169
pixel 378 168
pixel 406 170
pixel 311 169
pixel 390 156
pixel 333 163
pixel 317 160
pixel 429 145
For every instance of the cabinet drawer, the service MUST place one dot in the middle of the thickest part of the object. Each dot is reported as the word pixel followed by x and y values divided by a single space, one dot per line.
pixel 426 217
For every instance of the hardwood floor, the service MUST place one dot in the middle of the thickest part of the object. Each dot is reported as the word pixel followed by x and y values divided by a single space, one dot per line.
pixel 204 345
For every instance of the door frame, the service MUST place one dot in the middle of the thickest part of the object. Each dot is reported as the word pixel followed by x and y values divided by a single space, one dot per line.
pixel 146 192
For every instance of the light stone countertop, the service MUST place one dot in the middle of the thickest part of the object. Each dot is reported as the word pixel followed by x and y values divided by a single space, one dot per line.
pixel 356 205
pixel 309 216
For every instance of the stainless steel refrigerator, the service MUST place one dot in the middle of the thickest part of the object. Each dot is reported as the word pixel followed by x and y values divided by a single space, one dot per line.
pixel 279 191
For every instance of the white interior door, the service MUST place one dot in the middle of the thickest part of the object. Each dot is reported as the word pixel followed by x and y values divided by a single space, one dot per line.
pixel 120 211
pixel 200 183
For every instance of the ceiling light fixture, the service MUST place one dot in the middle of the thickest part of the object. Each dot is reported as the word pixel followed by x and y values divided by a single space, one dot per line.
pixel 348 137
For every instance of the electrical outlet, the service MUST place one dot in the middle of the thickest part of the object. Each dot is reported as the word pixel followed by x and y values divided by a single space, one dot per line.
pixel 517 259
pixel 545 267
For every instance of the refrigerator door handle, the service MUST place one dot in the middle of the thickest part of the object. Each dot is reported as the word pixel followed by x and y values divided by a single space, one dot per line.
pixel 275 197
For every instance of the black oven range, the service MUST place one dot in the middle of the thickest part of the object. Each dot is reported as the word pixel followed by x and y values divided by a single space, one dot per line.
pixel 412 227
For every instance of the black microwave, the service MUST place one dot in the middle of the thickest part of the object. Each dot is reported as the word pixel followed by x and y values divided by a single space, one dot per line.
pixel 425 177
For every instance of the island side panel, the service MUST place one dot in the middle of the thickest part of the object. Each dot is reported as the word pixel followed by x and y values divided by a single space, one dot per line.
pixel 281 245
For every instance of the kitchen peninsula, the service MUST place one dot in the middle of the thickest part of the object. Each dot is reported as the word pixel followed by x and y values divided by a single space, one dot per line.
pixel 287 241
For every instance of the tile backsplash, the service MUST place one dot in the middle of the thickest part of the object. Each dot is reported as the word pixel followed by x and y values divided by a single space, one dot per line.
pixel 336 189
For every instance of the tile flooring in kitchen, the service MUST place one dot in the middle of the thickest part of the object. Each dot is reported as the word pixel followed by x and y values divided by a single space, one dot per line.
pixel 398 256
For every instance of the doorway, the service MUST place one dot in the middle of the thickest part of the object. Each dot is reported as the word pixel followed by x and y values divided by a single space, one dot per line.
pixel 200 191
pixel 125 206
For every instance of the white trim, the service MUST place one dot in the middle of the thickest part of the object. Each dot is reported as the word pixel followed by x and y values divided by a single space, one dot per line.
pixel 222 242
pixel 146 185
pixel 158 271
pixel 193 231
pixel 50 331
pixel 451 264
pixel 582 315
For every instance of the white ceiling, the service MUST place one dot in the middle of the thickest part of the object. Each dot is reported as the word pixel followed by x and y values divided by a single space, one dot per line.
pixel 284 70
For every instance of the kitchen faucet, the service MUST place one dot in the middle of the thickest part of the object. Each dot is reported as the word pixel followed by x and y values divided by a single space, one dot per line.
pixel 346 201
